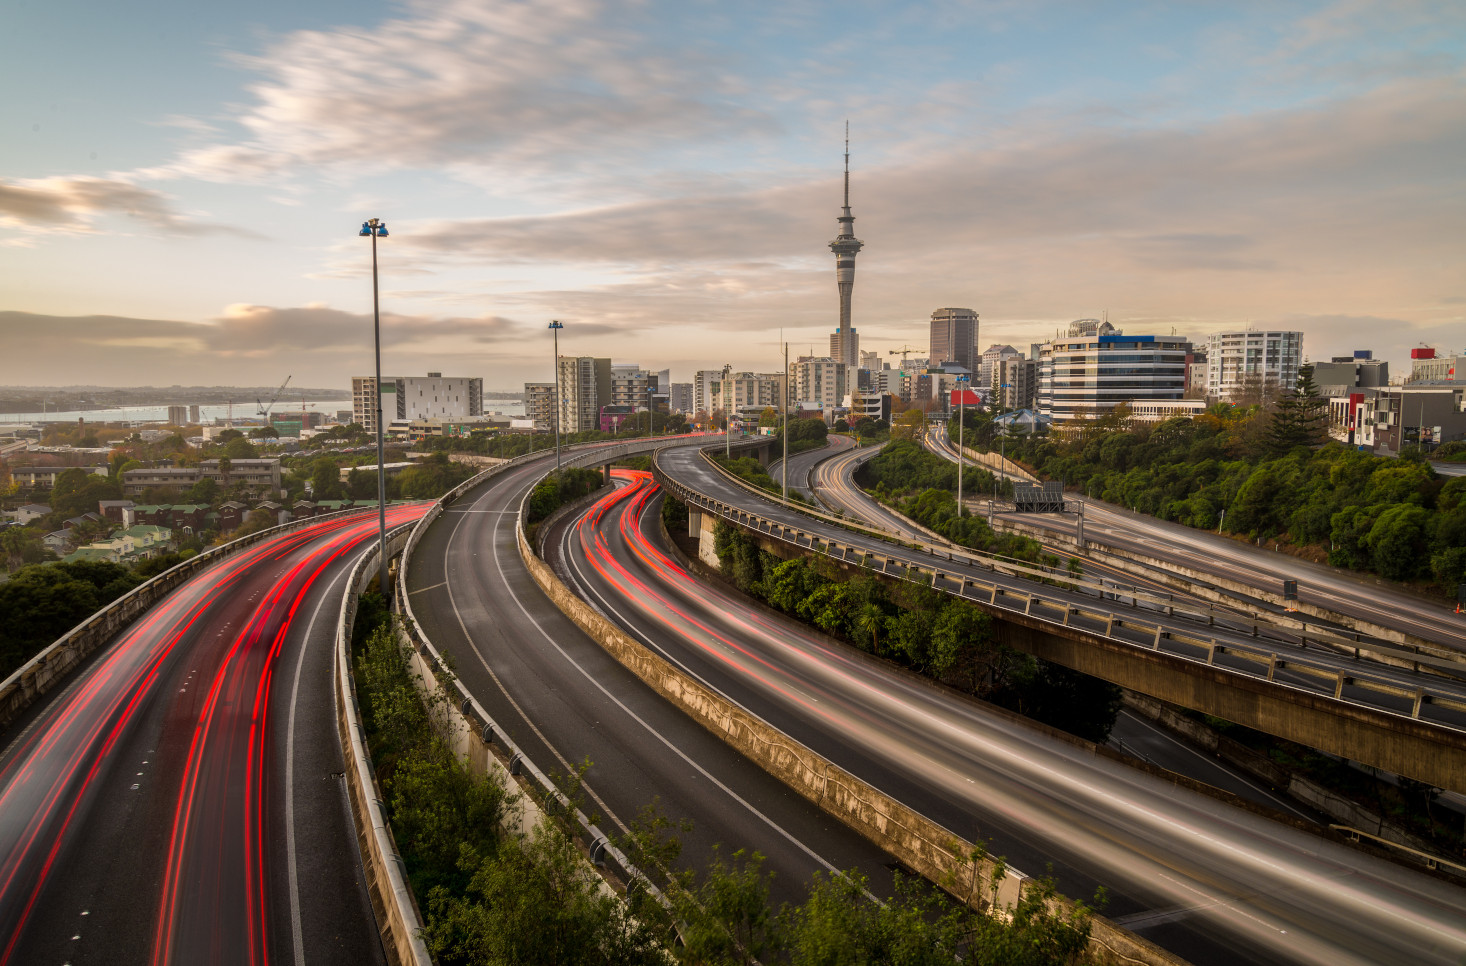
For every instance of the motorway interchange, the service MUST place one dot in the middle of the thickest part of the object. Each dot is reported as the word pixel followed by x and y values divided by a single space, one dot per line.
pixel 178 802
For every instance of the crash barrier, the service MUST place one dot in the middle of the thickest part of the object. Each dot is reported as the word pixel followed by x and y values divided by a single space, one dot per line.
pixel 919 843
pixel 1190 631
pixel 43 672
pixel 398 919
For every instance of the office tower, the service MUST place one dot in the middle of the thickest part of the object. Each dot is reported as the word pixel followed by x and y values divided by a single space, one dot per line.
pixel 954 338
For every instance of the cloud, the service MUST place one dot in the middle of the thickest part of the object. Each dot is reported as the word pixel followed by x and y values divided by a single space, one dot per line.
pixel 74 204
pixel 517 87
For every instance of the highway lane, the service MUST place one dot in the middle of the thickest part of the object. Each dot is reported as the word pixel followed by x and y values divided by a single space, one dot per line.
pixel 1209 881
pixel 1342 591
pixel 181 800
pixel 834 485
pixel 801 465
pixel 564 701
pixel 686 466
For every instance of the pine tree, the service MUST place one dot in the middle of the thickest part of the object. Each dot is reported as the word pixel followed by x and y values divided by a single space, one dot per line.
pixel 1300 418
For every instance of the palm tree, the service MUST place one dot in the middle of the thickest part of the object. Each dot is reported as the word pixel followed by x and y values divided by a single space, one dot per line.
pixel 870 619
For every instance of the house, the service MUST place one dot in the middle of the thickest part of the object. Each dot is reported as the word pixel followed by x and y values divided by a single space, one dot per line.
pixel 303 509
pixel 113 509
pixel 126 546
pixel 231 515
pixel 82 520
pixel 58 542
pixel 187 517
pixel 31 511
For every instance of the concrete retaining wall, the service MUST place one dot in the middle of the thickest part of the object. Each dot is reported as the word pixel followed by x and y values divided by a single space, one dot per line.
pixel 922 845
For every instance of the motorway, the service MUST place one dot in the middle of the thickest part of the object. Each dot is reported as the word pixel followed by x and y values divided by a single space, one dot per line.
pixel 564 701
pixel 1209 881
pixel 182 800
pixel 801 464
pixel 1341 591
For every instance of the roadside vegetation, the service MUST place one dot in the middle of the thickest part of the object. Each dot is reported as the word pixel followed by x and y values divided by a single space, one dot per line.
pixel 1226 471
pixel 921 629
pixel 41 602
pixel 490 896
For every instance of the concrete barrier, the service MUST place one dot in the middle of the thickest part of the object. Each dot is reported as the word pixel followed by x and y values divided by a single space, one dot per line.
pixel 398 919
pixel 43 672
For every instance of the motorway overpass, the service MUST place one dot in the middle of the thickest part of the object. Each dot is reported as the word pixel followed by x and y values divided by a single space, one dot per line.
pixel 1406 722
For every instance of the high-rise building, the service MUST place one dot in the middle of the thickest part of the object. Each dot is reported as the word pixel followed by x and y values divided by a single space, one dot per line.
pixel 365 400
pixel 846 246
pixel 177 415
pixel 845 346
pixel 1017 383
pixel 987 368
pixel 750 391
pixel 872 361
pixel 631 386
pixel 1244 364
pixel 539 405
pixel 1096 368
pixel 954 338
pixel 817 379
pixel 704 384
pixel 585 386
pixel 193 415
pixel 680 398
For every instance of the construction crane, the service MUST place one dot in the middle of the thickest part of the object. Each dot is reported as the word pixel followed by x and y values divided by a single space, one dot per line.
pixel 264 409
pixel 904 351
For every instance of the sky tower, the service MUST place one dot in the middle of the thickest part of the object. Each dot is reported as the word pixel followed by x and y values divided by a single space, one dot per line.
pixel 846 246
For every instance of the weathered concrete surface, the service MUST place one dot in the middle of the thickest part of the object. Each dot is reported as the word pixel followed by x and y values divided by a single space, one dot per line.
pixel 1405 746
pixel 923 845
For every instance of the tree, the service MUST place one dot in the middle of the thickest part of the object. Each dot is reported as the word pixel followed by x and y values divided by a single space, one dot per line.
pixel 768 418
pixel 909 425
pixel 240 449
pixel 229 435
pixel 42 602
pixel 1300 417
pixel 326 479
pixel 265 432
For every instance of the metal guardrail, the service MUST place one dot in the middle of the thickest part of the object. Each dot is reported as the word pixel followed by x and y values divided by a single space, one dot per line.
pixel 1427 859
pixel 1199 649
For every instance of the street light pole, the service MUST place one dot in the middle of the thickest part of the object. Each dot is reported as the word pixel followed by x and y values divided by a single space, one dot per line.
pixel 961 455
pixel 376 228
pixel 555 328
pixel 727 415
pixel 784 466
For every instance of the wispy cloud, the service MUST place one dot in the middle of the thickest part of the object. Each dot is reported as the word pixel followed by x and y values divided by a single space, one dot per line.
pixel 75 205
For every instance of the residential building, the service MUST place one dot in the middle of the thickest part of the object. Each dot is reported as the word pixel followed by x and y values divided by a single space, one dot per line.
pixel 44 477
pixel 585 386
pixel 817 381
pixel 433 396
pixel 1096 368
pixel 29 512
pixel 183 517
pixel 750 391
pixel 1017 383
pixel 539 405
pixel 679 400
pixel 987 371
pixel 704 384
pixel 954 338
pixel 261 475
pixel 1241 365
pixel 1196 372
pixel 178 415
pixel 632 386
pixel 193 415
pixel 113 509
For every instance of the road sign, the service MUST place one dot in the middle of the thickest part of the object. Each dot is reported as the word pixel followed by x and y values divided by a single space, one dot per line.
pixel 1290 590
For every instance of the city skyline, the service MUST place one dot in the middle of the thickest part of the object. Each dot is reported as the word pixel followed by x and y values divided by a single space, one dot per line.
pixel 184 192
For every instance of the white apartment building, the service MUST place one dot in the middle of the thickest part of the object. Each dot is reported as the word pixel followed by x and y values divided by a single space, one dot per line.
pixel 416 397
pixel 1247 361
pixel 817 380
pixel 704 383
pixel 750 391
pixel 986 374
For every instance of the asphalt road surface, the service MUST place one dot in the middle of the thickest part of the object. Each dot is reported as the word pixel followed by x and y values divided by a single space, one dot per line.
pixel 565 701
pixel 182 800
pixel 1212 882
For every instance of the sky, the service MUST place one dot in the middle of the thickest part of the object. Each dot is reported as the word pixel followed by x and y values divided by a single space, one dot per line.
pixel 181 183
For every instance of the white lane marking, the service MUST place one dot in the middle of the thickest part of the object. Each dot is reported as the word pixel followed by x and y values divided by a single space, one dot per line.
pixel 473 646
pixel 290 860
pixel 423 590
pixel 793 840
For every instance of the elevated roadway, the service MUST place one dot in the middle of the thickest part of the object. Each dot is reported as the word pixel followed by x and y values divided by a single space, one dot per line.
pixel 1201 657
pixel 565 702
pixel 1209 881
pixel 181 800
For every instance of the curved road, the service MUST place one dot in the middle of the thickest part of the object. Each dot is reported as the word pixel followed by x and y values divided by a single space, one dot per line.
pixel 1209 881
pixel 565 701
pixel 802 465
pixel 181 801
